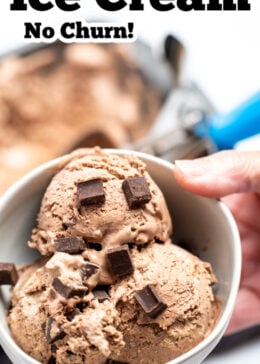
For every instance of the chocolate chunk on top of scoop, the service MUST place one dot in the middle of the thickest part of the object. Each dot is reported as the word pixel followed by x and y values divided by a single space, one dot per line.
pixel 136 191
pixel 67 291
pixel 150 301
pixel 88 270
pixel 52 331
pixel 120 261
pixel 70 245
pixel 91 192
pixel 100 295
pixel 8 274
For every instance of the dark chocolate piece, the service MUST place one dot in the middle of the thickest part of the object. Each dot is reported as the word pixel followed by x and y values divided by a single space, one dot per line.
pixel 150 301
pixel 89 269
pixel 136 191
pixel 111 361
pixel 8 274
pixel 100 295
pixel 67 291
pixel 52 331
pixel 91 192
pixel 70 245
pixel 120 261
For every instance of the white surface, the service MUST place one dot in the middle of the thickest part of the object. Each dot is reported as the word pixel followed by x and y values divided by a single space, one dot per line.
pixel 249 352
pixel 252 143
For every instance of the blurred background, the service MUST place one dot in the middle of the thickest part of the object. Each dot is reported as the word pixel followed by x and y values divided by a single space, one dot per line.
pixel 172 93
pixel 223 53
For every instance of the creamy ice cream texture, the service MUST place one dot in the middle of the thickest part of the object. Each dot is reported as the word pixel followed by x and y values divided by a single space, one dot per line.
pixel 112 287
pixel 110 224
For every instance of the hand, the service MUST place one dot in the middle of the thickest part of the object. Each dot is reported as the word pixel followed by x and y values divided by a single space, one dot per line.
pixel 236 177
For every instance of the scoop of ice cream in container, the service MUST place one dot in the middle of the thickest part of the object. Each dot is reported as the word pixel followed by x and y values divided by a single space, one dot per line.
pixel 112 282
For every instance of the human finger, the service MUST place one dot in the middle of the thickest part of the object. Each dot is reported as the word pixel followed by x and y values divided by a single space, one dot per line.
pixel 220 174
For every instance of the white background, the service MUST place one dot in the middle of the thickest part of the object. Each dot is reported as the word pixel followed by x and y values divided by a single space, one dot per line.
pixel 223 56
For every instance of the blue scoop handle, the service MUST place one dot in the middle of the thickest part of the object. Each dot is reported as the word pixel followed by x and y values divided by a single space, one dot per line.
pixel 241 123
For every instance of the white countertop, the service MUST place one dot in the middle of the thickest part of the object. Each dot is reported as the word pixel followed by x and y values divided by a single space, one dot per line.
pixel 242 348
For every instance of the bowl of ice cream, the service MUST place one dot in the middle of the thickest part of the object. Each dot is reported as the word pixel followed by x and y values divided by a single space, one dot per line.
pixel 109 285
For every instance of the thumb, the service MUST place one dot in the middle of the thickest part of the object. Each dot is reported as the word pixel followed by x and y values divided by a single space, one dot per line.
pixel 220 174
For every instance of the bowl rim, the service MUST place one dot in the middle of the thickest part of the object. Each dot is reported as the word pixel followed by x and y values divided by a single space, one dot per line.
pixel 6 339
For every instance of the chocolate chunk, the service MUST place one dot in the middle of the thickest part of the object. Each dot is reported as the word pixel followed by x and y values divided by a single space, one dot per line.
pixel 52 331
pixel 100 295
pixel 70 245
pixel 89 269
pixel 67 291
pixel 150 301
pixel 120 261
pixel 8 274
pixel 136 191
pixel 111 361
pixel 91 192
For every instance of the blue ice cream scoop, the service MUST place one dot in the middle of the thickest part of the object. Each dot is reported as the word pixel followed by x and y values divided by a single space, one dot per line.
pixel 225 130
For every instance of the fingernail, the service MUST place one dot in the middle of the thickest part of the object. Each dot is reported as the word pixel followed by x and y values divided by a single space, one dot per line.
pixel 192 168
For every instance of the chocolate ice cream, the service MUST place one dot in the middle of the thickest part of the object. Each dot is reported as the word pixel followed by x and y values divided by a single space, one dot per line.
pixel 52 98
pixel 110 223
pixel 112 286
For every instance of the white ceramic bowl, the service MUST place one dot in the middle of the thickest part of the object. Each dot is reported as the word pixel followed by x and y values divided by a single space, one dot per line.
pixel 205 223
